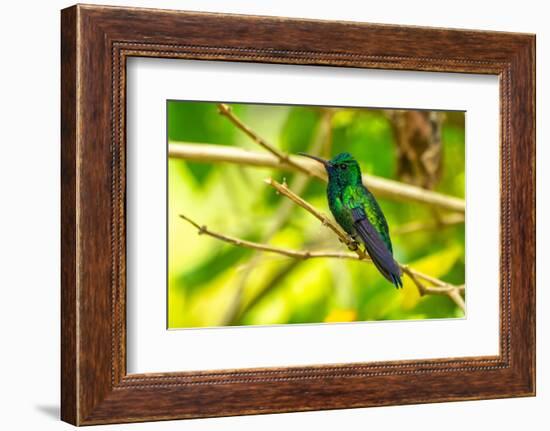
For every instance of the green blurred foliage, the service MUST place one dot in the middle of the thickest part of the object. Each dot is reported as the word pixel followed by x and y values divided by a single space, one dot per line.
pixel 205 274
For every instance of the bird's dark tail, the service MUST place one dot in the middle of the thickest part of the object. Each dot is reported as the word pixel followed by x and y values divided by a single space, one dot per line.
pixel 377 250
pixel 397 280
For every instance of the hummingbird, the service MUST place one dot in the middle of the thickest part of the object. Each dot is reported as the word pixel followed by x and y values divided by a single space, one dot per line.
pixel 356 210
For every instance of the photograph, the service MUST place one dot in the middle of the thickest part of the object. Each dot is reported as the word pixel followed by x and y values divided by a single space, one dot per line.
pixel 294 214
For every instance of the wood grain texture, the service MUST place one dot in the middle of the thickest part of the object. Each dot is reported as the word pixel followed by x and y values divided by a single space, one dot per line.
pixel 96 41
pixel 69 398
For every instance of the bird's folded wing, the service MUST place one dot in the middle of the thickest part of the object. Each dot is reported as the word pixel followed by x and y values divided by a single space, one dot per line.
pixel 377 250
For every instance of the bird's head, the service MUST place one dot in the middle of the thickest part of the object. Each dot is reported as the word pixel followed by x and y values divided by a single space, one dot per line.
pixel 342 168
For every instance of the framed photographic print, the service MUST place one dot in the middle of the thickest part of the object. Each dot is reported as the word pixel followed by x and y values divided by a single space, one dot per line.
pixel 258 216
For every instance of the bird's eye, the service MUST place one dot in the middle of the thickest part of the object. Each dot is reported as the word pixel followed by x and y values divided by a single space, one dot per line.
pixel 343 166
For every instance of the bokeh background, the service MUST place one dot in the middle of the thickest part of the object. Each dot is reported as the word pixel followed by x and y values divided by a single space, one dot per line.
pixel 211 283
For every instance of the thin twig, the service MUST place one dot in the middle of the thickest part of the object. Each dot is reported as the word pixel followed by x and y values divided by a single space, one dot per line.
pixel 277 158
pixel 449 290
pixel 382 187
pixel 453 292
pixel 443 288
pixel 326 221
pixel 226 111
pixel 428 278
pixel 235 309
pixel 417 277
pixel 296 254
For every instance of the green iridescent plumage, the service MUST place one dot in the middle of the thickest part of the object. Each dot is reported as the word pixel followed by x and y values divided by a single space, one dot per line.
pixel 357 211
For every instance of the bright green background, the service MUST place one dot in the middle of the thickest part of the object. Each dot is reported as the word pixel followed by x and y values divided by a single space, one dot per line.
pixel 204 273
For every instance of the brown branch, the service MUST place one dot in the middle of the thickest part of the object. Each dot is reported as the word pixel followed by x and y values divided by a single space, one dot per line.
pixel 342 236
pixel 443 288
pixel 282 160
pixel 226 111
pixel 295 254
pixel 382 187
pixel 452 291
pixel 235 309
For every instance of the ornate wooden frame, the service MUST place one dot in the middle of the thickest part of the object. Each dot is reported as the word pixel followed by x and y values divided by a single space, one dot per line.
pixel 95 42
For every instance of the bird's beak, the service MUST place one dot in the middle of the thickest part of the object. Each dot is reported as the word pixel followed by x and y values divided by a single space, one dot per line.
pixel 319 159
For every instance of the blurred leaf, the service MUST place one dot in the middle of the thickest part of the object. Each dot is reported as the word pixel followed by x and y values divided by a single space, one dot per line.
pixel 299 129
pixel 456 273
pixel 368 136
pixel 340 315
pixel 270 286
pixel 198 122
pixel 436 265
pixel 436 307
pixel 454 155
pixel 269 196
pixel 315 189
pixel 218 262
pixel 308 311
pixel 343 118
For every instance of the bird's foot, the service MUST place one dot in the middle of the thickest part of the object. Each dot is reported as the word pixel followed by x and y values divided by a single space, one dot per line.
pixel 352 244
